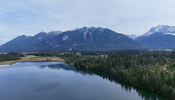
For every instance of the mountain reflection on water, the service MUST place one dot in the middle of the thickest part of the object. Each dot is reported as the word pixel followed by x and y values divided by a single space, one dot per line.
pixel 65 67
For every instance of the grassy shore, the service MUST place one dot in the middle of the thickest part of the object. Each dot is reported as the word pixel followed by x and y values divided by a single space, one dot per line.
pixel 32 58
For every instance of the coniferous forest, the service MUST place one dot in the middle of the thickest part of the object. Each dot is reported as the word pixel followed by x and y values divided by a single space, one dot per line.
pixel 10 56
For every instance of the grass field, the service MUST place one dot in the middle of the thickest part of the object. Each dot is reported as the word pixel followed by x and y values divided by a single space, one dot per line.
pixel 160 49
pixel 30 56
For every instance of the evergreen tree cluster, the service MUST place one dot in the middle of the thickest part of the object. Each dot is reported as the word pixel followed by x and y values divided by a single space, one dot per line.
pixel 10 56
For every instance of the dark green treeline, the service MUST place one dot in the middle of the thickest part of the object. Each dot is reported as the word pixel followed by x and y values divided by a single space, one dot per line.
pixel 10 56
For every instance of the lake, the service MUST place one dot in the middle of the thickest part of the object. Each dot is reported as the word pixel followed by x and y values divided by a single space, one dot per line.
pixel 60 81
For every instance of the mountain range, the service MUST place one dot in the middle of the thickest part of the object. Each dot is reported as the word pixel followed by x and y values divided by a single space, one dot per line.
pixel 83 39
pixel 92 38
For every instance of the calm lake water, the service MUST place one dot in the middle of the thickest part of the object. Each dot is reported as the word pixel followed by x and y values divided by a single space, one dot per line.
pixel 59 81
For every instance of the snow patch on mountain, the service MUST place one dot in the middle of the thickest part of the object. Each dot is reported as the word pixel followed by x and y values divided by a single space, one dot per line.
pixel 166 29
pixel 170 33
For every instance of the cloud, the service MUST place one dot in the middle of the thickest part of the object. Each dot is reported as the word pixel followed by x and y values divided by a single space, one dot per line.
pixel 29 17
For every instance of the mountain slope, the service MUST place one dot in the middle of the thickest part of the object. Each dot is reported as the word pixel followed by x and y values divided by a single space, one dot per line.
pixel 159 37
pixel 83 39
pixel 25 43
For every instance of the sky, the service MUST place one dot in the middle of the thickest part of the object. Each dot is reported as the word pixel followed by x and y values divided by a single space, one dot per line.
pixel 29 17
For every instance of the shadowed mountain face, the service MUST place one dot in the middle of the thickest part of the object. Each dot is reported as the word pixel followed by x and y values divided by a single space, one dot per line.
pixel 83 39
pixel 158 41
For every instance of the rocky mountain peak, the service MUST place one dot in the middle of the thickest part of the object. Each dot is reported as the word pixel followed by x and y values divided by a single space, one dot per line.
pixel 54 33
pixel 166 29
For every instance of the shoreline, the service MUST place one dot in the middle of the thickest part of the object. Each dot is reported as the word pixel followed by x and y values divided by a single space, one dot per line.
pixel 32 59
